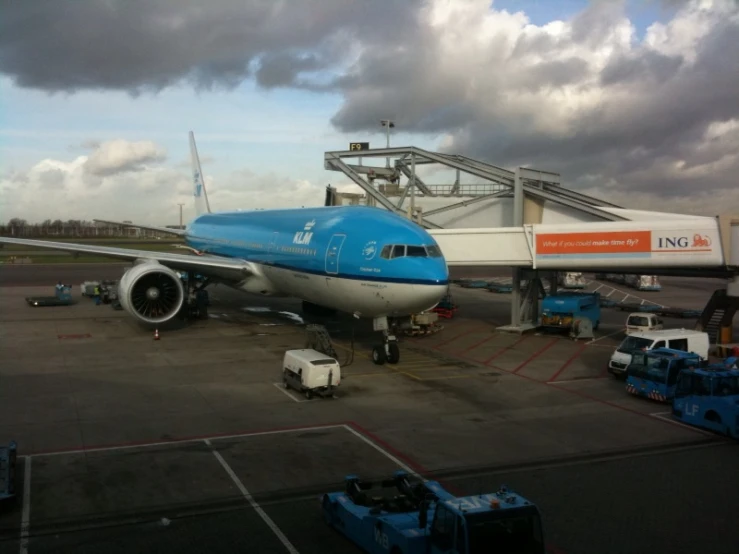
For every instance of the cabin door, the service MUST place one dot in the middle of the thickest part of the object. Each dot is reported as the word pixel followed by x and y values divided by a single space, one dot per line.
pixel 332 253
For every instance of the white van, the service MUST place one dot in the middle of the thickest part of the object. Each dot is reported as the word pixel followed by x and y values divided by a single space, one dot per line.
pixel 642 322
pixel 310 372
pixel 686 340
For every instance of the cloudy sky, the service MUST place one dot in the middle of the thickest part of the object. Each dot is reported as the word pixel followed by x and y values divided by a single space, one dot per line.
pixel 633 101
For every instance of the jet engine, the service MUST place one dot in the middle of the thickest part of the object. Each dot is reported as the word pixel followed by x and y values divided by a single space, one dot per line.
pixel 151 292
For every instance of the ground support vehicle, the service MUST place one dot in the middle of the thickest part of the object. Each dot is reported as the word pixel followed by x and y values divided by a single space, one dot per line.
pixel 310 372
pixel 643 322
pixel 561 310
pixel 7 472
pixel 446 307
pixel 644 282
pixel 571 280
pixel 62 297
pixel 687 340
pixel 709 398
pixel 653 373
pixel 405 517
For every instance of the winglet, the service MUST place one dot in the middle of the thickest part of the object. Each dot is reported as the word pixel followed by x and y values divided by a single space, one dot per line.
pixel 199 193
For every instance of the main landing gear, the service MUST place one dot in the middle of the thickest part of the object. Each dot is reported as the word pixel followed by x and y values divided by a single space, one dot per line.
pixel 388 351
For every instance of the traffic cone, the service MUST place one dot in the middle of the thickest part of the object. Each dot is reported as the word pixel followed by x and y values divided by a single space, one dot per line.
pixel 156 334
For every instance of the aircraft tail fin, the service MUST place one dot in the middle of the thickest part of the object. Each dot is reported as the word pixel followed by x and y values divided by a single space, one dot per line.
pixel 202 206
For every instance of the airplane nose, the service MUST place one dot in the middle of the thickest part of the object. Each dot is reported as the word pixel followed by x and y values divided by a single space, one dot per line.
pixel 428 296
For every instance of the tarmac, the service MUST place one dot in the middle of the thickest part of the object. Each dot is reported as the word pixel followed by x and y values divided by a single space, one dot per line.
pixel 190 443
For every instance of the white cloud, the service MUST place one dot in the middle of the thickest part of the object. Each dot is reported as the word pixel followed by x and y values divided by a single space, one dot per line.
pixel 119 156
pixel 58 189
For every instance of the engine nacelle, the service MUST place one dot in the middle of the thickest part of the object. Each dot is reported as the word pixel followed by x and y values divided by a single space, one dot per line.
pixel 151 292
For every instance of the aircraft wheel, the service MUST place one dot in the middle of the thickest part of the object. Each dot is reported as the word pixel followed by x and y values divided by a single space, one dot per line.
pixel 378 355
pixel 394 355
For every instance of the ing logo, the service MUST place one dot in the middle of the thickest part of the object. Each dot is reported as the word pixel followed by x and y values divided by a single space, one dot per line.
pixel 701 241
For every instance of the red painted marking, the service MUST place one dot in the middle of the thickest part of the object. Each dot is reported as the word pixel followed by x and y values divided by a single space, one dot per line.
pixel 534 356
pixel 568 362
pixel 455 337
pixel 506 349
pixel 83 336
pixel 492 336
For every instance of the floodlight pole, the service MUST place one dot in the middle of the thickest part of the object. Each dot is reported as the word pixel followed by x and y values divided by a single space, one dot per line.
pixel 387 124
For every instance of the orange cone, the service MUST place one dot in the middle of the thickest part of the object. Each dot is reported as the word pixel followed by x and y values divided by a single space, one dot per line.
pixel 156 334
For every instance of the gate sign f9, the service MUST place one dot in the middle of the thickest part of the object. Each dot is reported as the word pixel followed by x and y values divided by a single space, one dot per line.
pixel 359 146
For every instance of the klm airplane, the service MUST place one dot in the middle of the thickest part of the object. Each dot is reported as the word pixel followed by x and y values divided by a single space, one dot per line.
pixel 365 261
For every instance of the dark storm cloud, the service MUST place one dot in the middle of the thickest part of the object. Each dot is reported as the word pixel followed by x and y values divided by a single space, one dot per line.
pixel 282 69
pixel 646 130
pixel 648 66
pixel 584 98
pixel 137 45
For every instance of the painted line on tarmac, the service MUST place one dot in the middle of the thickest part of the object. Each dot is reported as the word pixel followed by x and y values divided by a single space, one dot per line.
pixel 257 508
pixel 26 510
pixel 692 428
pixel 591 459
pixel 577 380
pixel 287 393
pixel 184 440
pixel 577 354
pixel 455 337
pixel 479 343
pixel 365 436
pixel 505 349
pixel 605 336
pixel 535 355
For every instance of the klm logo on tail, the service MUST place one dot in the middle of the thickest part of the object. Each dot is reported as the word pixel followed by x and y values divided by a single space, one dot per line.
pixel 198 185
pixel 304 237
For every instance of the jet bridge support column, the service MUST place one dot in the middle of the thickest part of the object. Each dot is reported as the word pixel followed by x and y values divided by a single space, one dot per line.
pixel 524 301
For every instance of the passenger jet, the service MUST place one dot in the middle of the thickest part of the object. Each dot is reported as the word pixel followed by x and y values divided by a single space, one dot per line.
pixel 362 260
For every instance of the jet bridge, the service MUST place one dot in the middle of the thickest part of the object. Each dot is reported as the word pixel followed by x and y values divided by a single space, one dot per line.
pixel 524 185
pixel 609 238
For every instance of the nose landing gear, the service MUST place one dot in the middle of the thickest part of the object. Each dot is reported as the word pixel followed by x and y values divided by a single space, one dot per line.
pixel 388 351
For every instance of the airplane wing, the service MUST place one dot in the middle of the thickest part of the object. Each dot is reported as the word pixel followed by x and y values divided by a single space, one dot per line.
pixel 178 232
pixel 230 269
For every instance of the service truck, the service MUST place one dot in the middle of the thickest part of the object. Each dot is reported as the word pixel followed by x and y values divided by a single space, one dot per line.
pixel 709 398
pixel 686 340
pixel 653 373
pixel 561 310
pixel 404 517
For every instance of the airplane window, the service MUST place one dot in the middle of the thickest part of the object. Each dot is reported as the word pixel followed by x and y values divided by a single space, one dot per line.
pixel 416 251
pixel 385 253
pixel 398 251
pixel 434 251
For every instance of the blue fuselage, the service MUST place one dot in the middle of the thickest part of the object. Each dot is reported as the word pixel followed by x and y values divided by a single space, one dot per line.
pixel 355 243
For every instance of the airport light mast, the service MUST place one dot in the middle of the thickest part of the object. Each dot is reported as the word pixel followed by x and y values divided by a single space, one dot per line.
pixel 388 124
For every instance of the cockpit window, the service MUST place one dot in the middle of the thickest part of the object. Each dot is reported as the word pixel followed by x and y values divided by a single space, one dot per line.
pixel 390 251
pixel 434 251
pixel 415 251
pixel 398 251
